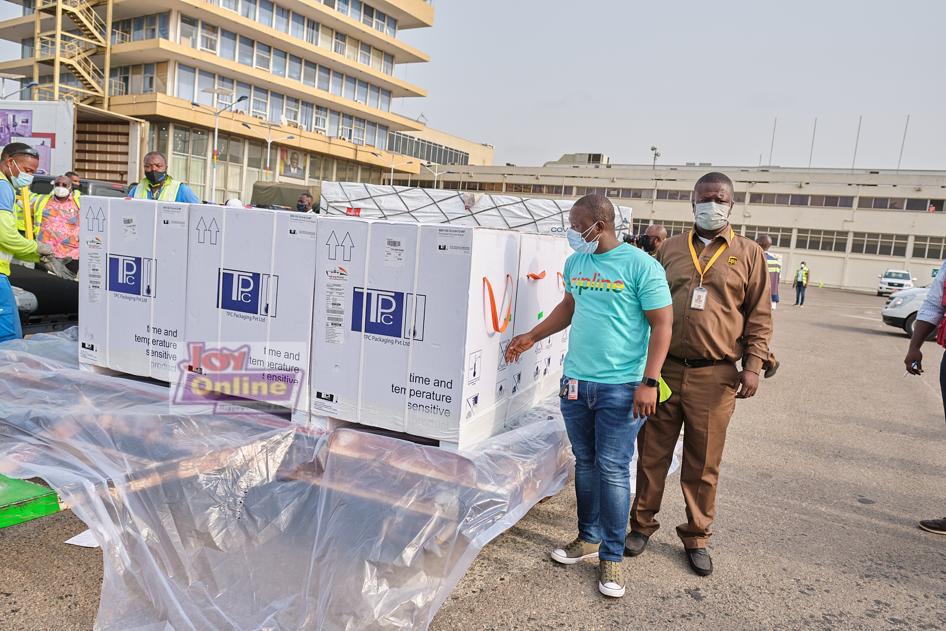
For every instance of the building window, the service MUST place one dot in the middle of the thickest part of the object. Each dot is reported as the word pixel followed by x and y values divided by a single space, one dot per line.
pixel 186 77
pixel 341 42
pixel 387 64
pixel 320 121
pixel 260 102
pixel 148 79
pixel 292 109
pixel 391 27
pixel 385 105
pixel 310 74
pixel 275 107
pixel 282 19
pixel 243 89
pixel 279 62
pixel 362 94
pixel 933 248
pixel 297 28
pixel 262 56
pixel 364 54
pixel 188 31
pixel 312 32
pixel 781 237
pixel 337 81
pixel 228 44
pixel 824 240
pixel 233 5
pixel 367 15
pixel 295 68
pixel 248 9
pixel 265 12
pixel 208 37
pixel 225 96
pixel 246 51
pixel 325 77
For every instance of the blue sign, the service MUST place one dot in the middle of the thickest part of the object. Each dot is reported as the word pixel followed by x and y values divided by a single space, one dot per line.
pixel 247 292
pixel 390 313
pixel 131 275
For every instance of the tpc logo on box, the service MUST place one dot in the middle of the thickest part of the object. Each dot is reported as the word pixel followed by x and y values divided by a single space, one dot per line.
pixel 390 313
pixel 131 275
pixel 247 292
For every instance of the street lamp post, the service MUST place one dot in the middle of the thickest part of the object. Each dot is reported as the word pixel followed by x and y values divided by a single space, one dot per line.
pixel 31 84
pixel 653 149
pixel 214 155
pixel 378 155
pixel 436 173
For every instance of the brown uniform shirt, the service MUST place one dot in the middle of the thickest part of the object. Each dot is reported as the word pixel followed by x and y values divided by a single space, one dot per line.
pixel 737 321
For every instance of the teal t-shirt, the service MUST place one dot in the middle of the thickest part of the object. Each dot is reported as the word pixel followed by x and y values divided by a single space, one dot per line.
pixel 609 334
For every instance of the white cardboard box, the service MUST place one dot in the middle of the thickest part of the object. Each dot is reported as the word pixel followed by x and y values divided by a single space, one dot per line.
pixel 132 285
pixel 250 284
pixel 404 335
pixel 541 287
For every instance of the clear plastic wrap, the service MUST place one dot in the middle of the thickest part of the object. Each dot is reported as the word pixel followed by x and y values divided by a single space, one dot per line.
pixel 249 522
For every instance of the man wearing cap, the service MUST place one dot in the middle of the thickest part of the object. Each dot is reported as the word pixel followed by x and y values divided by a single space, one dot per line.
pixel 722 315
pixel 18 163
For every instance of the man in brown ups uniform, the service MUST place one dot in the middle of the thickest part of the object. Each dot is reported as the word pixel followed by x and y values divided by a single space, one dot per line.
pixel 722 315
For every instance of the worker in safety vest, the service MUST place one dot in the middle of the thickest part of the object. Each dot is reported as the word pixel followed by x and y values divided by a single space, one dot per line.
pixel 24 197
pixel 158 185
pixel 774 264
pixel 57 222
pixel 800 284
pixel 18 162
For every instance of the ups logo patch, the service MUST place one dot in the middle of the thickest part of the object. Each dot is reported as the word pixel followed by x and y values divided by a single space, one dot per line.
pixel 733 260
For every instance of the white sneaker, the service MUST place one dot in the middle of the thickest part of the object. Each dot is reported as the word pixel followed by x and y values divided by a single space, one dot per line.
pixel 575 552
pixel 610 579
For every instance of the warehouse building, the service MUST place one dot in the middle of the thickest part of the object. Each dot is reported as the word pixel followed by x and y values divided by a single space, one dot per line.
pixel 848 225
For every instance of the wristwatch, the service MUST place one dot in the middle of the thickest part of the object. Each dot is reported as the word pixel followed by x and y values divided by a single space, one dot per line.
pixel 650 382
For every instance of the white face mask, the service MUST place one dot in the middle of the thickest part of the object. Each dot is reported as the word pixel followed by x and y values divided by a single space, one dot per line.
pixel 61 191
pixel 711 215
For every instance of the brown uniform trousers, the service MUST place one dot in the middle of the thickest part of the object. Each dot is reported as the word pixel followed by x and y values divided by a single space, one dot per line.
pixel 702 403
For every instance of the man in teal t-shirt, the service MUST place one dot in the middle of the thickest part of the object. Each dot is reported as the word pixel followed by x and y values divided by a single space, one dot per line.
pixel 619 307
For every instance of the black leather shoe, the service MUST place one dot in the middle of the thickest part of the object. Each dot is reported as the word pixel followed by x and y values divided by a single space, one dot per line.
pixel 634 543
pixel 700 561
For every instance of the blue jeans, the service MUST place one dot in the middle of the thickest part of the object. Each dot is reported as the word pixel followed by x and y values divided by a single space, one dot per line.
pixel 602 432
pixel 9 315
pixel 800 293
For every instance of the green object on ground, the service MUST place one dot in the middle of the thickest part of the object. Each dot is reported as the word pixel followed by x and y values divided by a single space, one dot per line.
pixel 22 501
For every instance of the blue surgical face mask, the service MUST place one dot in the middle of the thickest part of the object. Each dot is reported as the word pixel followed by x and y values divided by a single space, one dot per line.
pixel 577 241
pixel 22 180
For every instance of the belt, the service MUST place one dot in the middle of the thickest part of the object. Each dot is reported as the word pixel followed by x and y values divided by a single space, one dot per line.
pixel 698 363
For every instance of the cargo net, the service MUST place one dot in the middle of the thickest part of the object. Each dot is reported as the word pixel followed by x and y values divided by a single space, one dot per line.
pixel 422 205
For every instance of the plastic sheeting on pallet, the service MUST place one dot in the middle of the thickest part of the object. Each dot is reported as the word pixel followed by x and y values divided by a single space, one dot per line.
pixel 248 522
pixel 400 203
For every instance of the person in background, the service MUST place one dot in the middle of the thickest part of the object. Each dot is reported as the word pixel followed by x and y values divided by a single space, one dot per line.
pixel 58 222
pixel 657 234
pixel 929 318
pixel 721 315
pixel 774 263
pixel 800 283
pixel 18 163
pixel 158 185
pixel 304 205
pixel 76 181
pixel 618 305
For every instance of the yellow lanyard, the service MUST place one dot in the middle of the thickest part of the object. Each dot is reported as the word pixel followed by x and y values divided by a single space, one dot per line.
pixel 696 261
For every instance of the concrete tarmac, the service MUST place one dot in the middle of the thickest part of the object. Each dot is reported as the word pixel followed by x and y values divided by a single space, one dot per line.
pixel 825 474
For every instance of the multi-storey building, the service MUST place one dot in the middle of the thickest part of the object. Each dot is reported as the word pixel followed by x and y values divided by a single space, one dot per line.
pixel 848 225
pixel 300 90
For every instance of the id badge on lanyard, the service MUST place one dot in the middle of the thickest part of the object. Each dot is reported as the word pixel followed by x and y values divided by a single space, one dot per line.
pixel 698 299
pixel 700 294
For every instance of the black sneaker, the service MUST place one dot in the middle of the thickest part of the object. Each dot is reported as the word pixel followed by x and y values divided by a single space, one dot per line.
pixel 935 526
pixel 700 561
pixel 634 543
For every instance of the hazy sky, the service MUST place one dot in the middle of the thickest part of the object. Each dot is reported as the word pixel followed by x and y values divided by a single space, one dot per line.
pixel 701 80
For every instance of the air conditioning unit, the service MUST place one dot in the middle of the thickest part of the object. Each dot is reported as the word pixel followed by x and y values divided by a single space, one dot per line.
pixel 262 117
pixel 292 123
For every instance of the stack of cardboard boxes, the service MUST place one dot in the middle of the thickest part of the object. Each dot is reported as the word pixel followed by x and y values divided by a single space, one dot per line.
pixel 393 325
